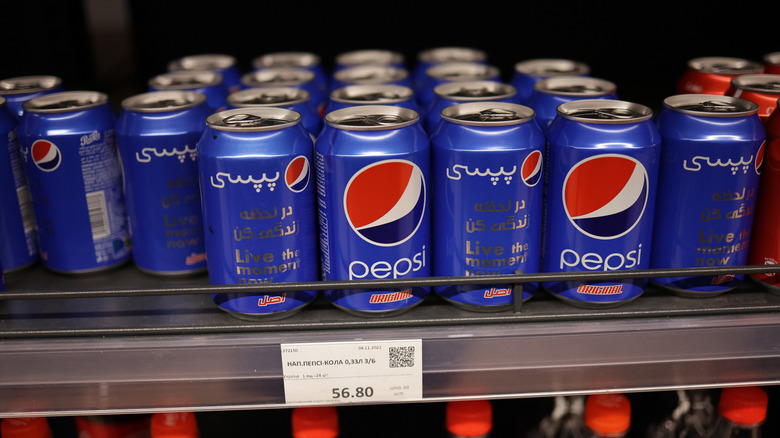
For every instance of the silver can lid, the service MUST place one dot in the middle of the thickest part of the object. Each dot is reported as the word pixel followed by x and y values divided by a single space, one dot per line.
pixel 65 102
pixel 371 74
pixel 440 55
pixel 28 84
pixel 721 65
pixel 462 71
pixel 380 94
pixel 772 58
pixel 710 105
pixel 550 67
pixel 371 118
pixel 606 112
pixel 369 56
pixel 163 101
pixel 202 62
pixel 268 96
pixel 488 114
pixel 185 80
pixel 253 119
pixel 277 77
pixel 759 83
pixel 575 86
pixel 474 91
pixel 286 60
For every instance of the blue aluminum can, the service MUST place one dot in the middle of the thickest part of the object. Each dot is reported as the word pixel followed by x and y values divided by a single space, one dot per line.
pixel 601 185
pixel 373 186
pixel 258 208
pixel 306 60
pixel 713 147
pixel 453 72
pixel 72 167
pixel 488 217
pixel 454 93
pixel 549 93
pixel 20 89
pixel 157 135
pixel 17 221
pixel 287 77
pixel 296 99
pixel 531 71
pixel 441 55
pixel 206 82
pixel 371 75
pixel 223 64
pixel 369 57
pixel 382 94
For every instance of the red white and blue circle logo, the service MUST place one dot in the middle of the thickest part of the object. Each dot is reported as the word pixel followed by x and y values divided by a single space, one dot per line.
pixel 531 170
pixel 759 158
pixel 298 174
pixel 46 155
pixel 605 196
pixel 385 202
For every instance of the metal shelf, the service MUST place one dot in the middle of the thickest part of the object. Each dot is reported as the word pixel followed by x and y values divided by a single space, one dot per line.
pixel 125 354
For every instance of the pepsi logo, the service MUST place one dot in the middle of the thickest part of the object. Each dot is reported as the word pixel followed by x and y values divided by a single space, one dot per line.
pixel 759 158
pixel 531 171
pixel 46 155
pixel 605 196
pixel 385 202
pixel 298 174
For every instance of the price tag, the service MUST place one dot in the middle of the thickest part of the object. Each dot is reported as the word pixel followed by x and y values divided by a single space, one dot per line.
pixel 352 372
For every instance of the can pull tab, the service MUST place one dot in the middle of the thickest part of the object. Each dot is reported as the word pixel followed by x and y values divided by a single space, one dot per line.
pixel 249 120
pixel 716 107
pixel 607 113
pixel 578 89
pixel 772 85
pixel 163 103
pixel 472 92
pixel 65 104
pixel 374 120
pixel 20 85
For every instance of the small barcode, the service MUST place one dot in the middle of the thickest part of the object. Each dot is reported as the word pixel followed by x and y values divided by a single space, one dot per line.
pixel 98 215
pixel 26 209
pixel 401 357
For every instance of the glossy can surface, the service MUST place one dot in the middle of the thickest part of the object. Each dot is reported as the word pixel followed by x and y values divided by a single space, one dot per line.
pixel 20 89
pixel 291 98
pixel 381 94
pixel 306 60
pixel 157 135
pixel 286 77
pixel 713 75
pixel 369 57
pixel 454 93
pixel 374 197
pixel 551 92
pixel 487 173
pixel 601 187
pixel 370 75
pixel 206 82
pixel 453 72
pixel 258 208
pixel 72 167
pixel 531 71
pixel 441 55
pixel 223 64
pixel 713 147
pixel 761 89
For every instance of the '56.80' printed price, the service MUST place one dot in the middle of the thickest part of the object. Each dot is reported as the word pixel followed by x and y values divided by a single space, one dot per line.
pixel 358 392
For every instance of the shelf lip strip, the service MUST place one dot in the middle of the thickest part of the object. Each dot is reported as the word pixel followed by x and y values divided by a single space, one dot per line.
pixel 395 283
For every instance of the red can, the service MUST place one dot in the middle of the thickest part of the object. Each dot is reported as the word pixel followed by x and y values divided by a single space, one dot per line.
pixel 713 75
pixel 772 63
pixel 765 242
pixel 762 89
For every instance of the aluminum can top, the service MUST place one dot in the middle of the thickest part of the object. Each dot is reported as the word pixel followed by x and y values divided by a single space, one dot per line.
pixel 759 83
pixel 544 67
pixel 372 118
pixel 375 57
pixel 720 65
pixel 604 112
pixel 202 62
pixel 575 86
pixel 185 79
pixel 710 105
pixel 268 96
pixel 462 71
pixel 65 102
pixel 488 114
pixel 772 58
pixel 163 101
pixel 277 77
pixel 286 60
pixel 379 94
pixel 28 84
pixel 253 119
pixel 467 91
pixel 371 74
pixel 442 55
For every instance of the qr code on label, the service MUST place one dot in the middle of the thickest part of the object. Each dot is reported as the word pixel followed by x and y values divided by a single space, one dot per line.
pixel 401 357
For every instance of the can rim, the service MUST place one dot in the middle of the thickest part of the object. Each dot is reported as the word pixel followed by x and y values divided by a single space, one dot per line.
pixel 772 58
pixel 91 99
pixel 209 78
pixel 369 56
pixel 539 67
pixel 743 107
pixel 405 117
pixel 298 76
pixel 285 117
pixel 615 112
pixel 503 91
pixel 306 59
pixel 751 82
pixel 548 85
pixel 296 96
pixel 438 55
pixel 348 74
pixel 473 71
pixel 186 99
pixel 204 61
pixel 53 82
pixel 345 94
pixel 451 113
pixel 701 64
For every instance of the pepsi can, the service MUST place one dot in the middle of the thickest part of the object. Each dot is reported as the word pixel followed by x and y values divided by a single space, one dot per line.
pixel 23 88
pixel 296 99
pixel 17 221
pixel 369 57
pixel 380 94
pixel 713 148
pixel 67 144
pixel 157 135
pixel 370 75
pixel 551 92
pixel 441 55
pixel 602 176
pixel 286 77
pixel 531 71
pixel 205 82
pixel 453 72
pixel 306 60
pixel 487 172
pixel 373 185
pixel 454 93
pixel 258 208
pixel 223 64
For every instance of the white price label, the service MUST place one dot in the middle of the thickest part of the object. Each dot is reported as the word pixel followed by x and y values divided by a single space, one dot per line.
pixel 352 372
